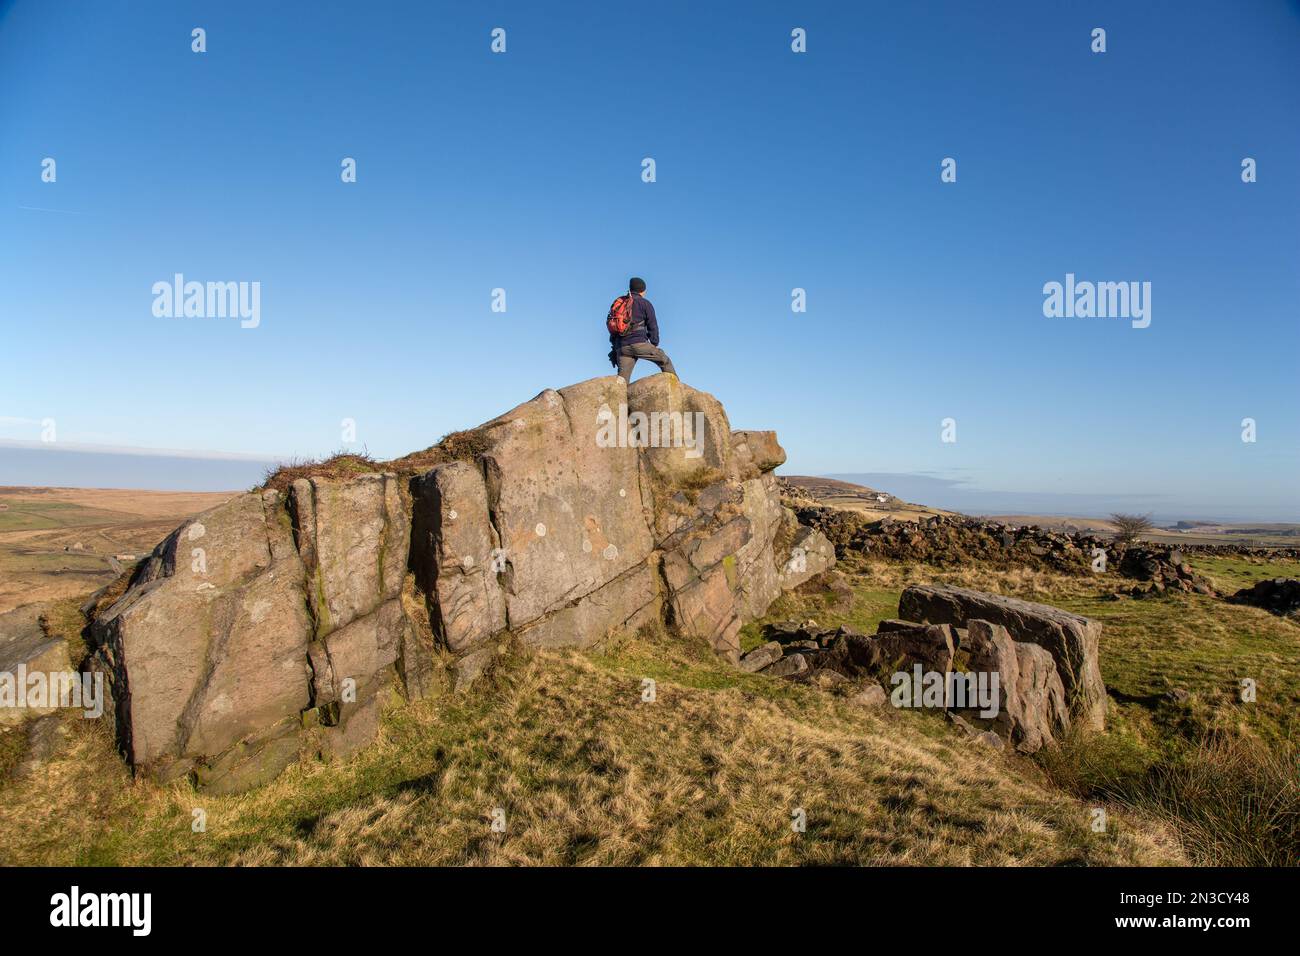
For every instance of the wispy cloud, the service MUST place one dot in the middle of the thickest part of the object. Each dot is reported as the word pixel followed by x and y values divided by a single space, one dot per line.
pixel 89 448
pixel 66 212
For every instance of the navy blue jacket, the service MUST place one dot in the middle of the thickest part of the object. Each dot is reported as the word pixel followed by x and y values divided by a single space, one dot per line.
pixel 644 328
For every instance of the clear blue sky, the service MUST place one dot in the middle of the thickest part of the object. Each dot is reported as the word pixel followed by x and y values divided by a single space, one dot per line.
pixel 775 170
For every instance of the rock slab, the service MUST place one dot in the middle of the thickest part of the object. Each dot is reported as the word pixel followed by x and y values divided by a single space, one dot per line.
pixel 1071 639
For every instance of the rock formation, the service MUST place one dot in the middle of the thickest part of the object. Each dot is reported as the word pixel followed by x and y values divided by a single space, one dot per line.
pixel 1279 596
pixel 1045 659
pixel 275 624
pixel 1070 639
pixel 1165 569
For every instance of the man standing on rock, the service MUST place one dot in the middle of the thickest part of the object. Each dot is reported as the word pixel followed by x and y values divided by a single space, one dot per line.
pixel 634 332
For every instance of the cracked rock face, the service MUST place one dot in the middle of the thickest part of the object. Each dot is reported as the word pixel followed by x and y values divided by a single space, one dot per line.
pixel 209 646
pixel 1031 699
pixel 1070 640
pixel 275 626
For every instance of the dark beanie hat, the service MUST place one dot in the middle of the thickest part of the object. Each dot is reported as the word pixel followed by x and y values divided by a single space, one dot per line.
pixel 635 285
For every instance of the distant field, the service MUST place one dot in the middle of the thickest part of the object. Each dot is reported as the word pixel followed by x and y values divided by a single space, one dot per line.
pixel 1056 522
pixel 56 542
pixel 860 498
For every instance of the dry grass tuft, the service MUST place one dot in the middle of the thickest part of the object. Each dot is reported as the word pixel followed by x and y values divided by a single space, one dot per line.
pixel 109 595
pixel 454 446
pixel 64 619
pixel 343 464
pixel 1232 800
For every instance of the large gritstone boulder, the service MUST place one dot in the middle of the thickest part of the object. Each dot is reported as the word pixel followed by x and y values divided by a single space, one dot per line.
pixel 206 652
pixel 275 625
pixel 1070 639
pixel 1031 709
pixel 601 507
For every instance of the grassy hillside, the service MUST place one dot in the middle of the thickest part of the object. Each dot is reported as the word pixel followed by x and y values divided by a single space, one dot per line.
pixel 1181 744
pixel 586 772
pixel 711 771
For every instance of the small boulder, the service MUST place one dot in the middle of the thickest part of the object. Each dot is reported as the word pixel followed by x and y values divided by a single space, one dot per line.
pixel 784 632
pixel 827 679
pixel 852 654
pixel 470 667
pixel 761 657
pixel 873 695
pixel 832 587
pixel 930 645
pixel 795 665
pixel 960 722
pixel 1279 596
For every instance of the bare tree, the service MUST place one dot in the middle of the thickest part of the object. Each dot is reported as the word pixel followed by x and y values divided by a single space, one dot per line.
pixel 1128 528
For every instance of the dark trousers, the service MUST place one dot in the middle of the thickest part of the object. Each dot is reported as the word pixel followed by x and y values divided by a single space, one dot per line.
pixel 628 354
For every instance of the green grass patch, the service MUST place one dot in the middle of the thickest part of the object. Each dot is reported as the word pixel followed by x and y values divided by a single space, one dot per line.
pixel 1204 646
pixel 871 605
pixel 1229 574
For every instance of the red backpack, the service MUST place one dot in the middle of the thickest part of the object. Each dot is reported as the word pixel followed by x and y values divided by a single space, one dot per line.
pixel 619 319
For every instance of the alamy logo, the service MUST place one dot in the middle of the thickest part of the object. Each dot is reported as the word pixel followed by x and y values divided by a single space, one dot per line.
pixel 1102 300
pixel 103 909
pixel 954 689
pixel 650 430
pixel 208 300
pixel 21 688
